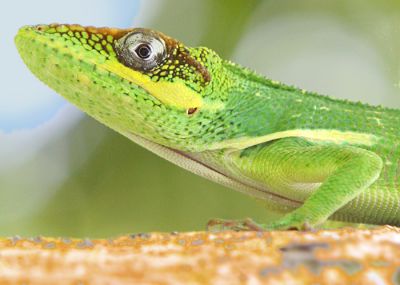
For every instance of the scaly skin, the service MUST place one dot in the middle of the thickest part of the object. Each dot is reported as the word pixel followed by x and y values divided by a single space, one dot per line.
pixel 304 154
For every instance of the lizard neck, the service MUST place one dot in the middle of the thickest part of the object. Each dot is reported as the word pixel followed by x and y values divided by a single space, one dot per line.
pixel 257 107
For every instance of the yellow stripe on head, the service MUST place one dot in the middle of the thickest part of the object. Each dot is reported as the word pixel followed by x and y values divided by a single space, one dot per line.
pixel 175 94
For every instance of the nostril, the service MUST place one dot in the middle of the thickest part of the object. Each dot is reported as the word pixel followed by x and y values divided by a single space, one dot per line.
pixel 40 28
pixel 191 111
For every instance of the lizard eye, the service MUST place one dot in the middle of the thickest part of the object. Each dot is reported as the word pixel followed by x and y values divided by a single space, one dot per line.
pixel 140 50
pixel 144 51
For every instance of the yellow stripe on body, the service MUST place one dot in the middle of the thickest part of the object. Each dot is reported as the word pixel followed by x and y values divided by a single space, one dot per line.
pixel 333 136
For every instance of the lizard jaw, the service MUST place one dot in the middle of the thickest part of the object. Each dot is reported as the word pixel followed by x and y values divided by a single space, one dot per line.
pixel 186 161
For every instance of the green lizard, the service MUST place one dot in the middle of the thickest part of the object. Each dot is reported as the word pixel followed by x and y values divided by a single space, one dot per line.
pixel 306 155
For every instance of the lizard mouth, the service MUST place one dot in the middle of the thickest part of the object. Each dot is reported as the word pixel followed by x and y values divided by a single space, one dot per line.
pixel 186 161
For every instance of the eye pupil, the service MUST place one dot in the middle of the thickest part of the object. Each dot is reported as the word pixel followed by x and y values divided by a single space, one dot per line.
pixel 143 51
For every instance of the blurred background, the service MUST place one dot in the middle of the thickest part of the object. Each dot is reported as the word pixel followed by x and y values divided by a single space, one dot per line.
pixel 64 174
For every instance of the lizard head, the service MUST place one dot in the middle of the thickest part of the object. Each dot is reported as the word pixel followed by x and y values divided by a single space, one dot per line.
pixel 136 81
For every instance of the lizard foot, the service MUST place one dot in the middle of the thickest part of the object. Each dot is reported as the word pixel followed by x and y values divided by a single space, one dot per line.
pixel 292 221
pixel 234 225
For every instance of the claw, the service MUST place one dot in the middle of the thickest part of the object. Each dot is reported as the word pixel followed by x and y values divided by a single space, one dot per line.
pixel 288 225
pixel 290 222
pixel 233 225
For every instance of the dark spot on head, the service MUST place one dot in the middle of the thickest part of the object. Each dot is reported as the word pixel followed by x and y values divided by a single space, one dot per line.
pixel 191 111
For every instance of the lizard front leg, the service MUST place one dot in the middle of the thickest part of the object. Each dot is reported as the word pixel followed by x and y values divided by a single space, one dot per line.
pixel 342 172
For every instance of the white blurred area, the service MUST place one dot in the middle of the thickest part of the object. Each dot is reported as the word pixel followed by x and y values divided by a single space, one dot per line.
pixel 21 145
pixel 32 116
pixel 28 168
